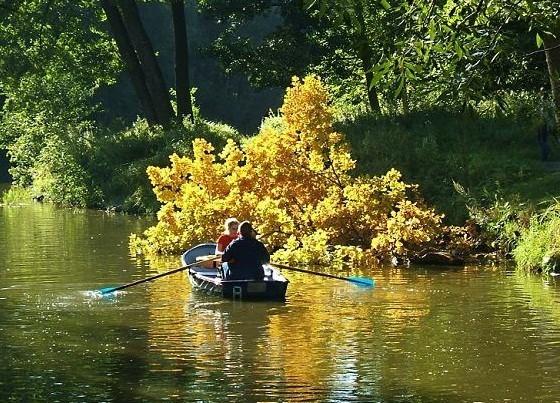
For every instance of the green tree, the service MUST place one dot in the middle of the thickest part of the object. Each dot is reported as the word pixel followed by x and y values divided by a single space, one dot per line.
pixel 544 19
pixel 468 50
pixel 130 59
pixel 54 56
pixel 182 82
pixel 296 42
pixel 142 45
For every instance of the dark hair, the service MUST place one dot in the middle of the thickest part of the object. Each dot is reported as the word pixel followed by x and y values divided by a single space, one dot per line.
pixel 246 229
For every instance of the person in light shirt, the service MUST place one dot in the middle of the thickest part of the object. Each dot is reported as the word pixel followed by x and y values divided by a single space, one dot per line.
pixel 231 227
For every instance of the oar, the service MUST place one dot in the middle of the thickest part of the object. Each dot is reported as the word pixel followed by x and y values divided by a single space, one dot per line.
pixel 108 290
pixel 364 281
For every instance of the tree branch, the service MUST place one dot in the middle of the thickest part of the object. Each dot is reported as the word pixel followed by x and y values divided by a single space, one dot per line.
pixel 541 50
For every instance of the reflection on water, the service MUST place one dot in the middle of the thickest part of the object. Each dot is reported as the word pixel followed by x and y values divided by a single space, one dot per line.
pixel 473 334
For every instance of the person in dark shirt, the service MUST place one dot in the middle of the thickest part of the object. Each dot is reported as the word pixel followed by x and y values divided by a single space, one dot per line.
pixel 245 256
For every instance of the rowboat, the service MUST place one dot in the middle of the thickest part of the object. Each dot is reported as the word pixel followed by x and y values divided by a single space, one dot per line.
pixel 273 287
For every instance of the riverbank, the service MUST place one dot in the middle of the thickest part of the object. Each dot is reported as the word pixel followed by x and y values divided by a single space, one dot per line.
pixel 480 170
pixel 108 173
pixel 538 247
pixel 489 157
pixel 492 158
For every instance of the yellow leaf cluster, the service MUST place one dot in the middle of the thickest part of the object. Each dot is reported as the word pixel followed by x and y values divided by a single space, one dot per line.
pixel 293 180
pixel 409 227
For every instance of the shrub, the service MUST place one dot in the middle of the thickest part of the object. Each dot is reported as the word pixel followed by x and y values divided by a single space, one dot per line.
pixel 60 178
pixel 293 179
pixel 16 195
pixel 500 220
pixel 539 246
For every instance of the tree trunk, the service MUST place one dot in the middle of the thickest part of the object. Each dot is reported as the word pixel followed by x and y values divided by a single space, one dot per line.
pixel 552 45
pixel 365 56
pixel 182 84
pixel 128 56
pixel 144 50
pixel 404 98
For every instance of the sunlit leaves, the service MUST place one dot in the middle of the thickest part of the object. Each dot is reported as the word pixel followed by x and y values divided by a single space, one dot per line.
pixel 539 40
pixel 463 50
pixel 53 56
pixel 293 180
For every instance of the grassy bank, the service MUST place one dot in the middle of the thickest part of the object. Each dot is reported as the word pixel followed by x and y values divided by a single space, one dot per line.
pixel 486 156
pixel 102 167
pixel 119 161
pixel 538 249
pixel 484 169
pixel 491 158
pixel 13 195
pixel 494 162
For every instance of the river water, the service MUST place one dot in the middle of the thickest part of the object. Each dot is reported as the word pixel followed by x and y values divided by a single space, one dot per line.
pixel 477 334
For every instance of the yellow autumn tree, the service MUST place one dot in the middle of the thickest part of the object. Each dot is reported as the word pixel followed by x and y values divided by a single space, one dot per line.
pixel 293 180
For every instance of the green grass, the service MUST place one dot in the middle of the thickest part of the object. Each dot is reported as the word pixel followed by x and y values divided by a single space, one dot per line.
pixel 436 148
pixel 539 188
pixel 118 162
pixel 538 249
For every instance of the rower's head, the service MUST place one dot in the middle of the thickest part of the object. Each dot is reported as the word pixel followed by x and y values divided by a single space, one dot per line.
pixel 231 226
pixel 246 230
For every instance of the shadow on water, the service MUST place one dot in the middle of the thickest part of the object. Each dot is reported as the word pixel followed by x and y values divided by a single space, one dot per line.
pixel 399 394
pixel 128 367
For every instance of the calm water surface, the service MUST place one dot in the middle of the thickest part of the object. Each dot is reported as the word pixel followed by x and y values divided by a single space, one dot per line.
pixel 460 335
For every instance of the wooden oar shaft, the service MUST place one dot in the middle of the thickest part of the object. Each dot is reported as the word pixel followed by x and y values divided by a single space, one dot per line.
pixel 167 273
pixel 283 266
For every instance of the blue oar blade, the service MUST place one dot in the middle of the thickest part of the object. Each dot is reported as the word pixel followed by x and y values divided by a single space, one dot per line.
pixel 107 290
pixel 363 281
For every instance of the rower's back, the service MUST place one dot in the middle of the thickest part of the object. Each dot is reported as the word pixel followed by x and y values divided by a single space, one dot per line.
pixel 245 256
